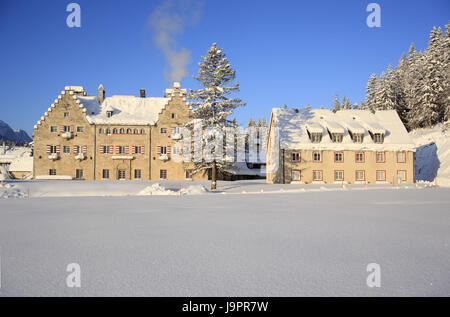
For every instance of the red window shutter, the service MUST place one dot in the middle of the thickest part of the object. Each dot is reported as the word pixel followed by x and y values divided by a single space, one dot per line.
pixel 127 149
pixel 58 149
pixel 168 150
pixel 111 149
pixel 133 150
pixel 142 149
pixel 48 149
pixel 71 128
pixel 158 149
pixel 61 128
pixel 84 149
pixel 117 149
pixel 101 149
pixel 75 150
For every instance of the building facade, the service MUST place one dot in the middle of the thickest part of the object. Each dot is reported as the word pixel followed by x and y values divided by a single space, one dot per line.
pixel 111 138
pixel 349 146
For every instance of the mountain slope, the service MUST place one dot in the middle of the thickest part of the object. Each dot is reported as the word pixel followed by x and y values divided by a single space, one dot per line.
pixel 8 134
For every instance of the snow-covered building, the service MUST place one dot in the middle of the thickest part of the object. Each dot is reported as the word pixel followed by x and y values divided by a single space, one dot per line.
pixel 17 161
pixel 347 146
pixel 117 137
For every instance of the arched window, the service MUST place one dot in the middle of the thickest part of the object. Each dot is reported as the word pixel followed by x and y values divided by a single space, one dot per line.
pixel 142 131
pixel 128 131
pixel 135 131
pixel 114 131
pixel 100 131
pixel 108 131
pixel 122 130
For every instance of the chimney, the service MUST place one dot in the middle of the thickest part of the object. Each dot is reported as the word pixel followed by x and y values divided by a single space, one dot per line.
pixel 101 93
pixel 142 91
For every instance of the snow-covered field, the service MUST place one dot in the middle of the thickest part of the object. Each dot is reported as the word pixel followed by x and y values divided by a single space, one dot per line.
pixel 288 240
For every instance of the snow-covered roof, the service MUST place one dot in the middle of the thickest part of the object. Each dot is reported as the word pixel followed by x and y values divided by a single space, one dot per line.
pixel 294 125
pixel 126 109
pixel 22 164
pixel 18 158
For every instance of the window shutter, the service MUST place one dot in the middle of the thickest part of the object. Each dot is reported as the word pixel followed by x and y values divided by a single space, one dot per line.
pixel 117 149
pixel 61 128
pixel 133 150
pixel 48 149
pixel 168 150
pixel 173 130
pixel 142 149
pixel 158 149
pixel 111 149
pixel 58 149
pixel 71 128
pixel 101 149
pixel 84 149
pixel 127 149
pixel 75 149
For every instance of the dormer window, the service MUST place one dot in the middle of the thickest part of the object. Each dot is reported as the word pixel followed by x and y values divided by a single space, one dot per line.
pixel 358 137
pixel 109 114
pixel 316 137
pixel 337 137
pixel 378 137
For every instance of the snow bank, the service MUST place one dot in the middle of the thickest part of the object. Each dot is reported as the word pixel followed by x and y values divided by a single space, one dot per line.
pixel 157 189
pixel 8 190
pixel 432 155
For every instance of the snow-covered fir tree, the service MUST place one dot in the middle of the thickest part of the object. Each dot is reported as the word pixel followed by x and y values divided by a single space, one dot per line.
pixel 371 91
pixel 336 103
pixel 212 105
pixel 346 104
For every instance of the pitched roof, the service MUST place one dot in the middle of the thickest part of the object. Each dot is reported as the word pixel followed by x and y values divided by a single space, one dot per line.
pixel 294 125
pixel 126 109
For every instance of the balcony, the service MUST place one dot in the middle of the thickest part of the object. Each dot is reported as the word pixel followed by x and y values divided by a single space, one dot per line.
pixel 53 156
pixel 67 135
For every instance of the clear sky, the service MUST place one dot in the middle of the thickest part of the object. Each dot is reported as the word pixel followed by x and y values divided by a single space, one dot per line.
pixel 284 52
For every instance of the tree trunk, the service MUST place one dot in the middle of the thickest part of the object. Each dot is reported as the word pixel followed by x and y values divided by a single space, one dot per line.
pixel 213 176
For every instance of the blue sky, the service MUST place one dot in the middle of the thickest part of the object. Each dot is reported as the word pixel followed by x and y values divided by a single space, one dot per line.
pixel 284 52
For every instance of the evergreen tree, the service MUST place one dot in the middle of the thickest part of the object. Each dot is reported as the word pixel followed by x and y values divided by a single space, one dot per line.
pixel 370 92
pixel 337 104
pixel 346 104
pixel 212 104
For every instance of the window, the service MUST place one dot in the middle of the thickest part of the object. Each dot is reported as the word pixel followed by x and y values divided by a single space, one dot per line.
pixel 359 157
pixel 142 131
pixel 105 149
pixel 163 150
pixel 380 157
pixel 66 114
pixel 381 175
pixel 66 149
pixel 80 130
pixel 173 115
pixel 296 157
pixel 53 149
pixel 317 157
pixel 114 131
pixel 175 150
pixel 163 130
pixel 109 114
pixel 316 137
pixel 378 138
pixel 128 131
pixel 401 157
pixel 137 173
pixel 76 149
pixel 79 174
pixel 108 131
pixel 121 149
pixel 188 174
pixel 338 175
pixel 105 174
pixel 122 131
pixel 337 137
pixel 317 175
pixel 338 157
pixel 163 174
pixel 296 175
pixel 100 131
pixel 135 131
pixel 52 172
pixel 53 129
pixel 401 176
pixel 360 176
pixel 358 137
pixel 121 174
pixel 137 149
pixel 66 128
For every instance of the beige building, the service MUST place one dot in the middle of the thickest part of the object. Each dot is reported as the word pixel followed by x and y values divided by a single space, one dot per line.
pixel 349 146
pixel 111 138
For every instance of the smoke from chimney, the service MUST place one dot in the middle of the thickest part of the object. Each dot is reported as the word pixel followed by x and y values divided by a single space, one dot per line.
pixel 168 21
